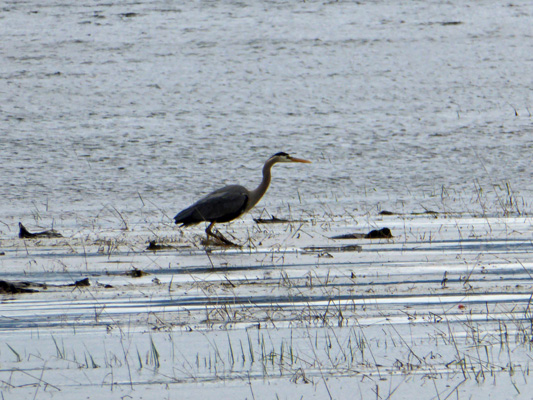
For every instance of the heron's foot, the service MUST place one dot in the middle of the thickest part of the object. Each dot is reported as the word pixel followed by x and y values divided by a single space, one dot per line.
pixel 220 239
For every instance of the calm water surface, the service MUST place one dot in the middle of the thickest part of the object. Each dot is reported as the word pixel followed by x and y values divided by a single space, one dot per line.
pixel 147 105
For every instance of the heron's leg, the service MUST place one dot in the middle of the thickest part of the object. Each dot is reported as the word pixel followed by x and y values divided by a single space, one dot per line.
pixel 218 235
pixel 209 231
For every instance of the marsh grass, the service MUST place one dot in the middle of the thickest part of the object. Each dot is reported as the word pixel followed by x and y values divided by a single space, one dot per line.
pixel 17 355
pixel 272 310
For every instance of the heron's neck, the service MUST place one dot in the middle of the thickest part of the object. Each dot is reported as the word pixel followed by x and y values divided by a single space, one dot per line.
pixel 255 195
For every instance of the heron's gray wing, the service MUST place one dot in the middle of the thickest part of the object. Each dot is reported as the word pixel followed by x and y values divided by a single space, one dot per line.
pixel 222 205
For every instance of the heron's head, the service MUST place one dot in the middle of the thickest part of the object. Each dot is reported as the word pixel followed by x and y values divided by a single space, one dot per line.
pixel 285 158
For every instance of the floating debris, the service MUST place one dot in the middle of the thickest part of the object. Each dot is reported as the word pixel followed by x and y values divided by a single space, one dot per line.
pixel 350 236
pixel 81 282
pixel 153 246
pixel 15 287
pixel 136 273
pixel 25 234
pixel 450 23
pixel 273 220
pixel 426 212
pixel 321 249
pixel 383 233
pixel 27 287
pixel 385 212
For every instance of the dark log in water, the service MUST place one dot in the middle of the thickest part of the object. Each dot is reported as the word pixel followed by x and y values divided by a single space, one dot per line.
pixel 25 234
pixel 384 233
pixel 15 287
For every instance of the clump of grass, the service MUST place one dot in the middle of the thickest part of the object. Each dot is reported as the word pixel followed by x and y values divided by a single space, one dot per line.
pixel 153 355
pixel 17 355
pixel 60 351
pixel 93 364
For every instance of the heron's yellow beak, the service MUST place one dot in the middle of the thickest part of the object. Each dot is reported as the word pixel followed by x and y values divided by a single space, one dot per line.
pixel 299 160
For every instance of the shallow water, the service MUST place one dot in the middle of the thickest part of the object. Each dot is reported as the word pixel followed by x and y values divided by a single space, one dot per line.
pixel 119 113
pixel 147 105
pixel 447 299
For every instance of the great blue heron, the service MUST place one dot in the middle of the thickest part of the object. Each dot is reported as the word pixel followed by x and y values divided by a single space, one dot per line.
pixel 230 202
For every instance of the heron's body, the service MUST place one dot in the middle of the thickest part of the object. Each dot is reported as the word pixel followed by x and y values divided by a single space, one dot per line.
pixel 230 202
pixel 222 205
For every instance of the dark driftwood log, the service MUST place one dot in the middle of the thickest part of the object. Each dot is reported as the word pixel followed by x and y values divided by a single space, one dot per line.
pixel 25 234
pixel 384 233
pixel 347 248
pixel 153 246
pixel 15 287
pixel 81 282
pixel 272 220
